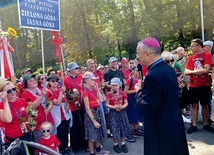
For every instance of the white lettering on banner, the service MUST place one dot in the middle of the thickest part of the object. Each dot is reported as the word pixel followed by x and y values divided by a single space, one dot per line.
pixel 41 14
pixel 34 22
pixel 31 14
pixel 45 4
pixel 48 24
pixel 49 17
pixel 30 1
pixel 55 2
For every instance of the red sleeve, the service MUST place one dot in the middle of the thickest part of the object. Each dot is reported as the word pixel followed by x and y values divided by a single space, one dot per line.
pixel 189 62
pixel 57 143
pixel 50 95
pixel 108 97
pixel 84 94
pixel 124 95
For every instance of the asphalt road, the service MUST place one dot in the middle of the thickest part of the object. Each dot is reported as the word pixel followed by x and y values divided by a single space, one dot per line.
pixel 200 142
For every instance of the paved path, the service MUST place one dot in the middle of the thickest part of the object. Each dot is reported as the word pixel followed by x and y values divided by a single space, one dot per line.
pixel 200 143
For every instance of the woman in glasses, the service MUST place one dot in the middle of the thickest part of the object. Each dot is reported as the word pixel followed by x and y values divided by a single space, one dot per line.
pixel 13 113
pixel 169 58
pixel 41 80
pixel 40 101
pixel 61 113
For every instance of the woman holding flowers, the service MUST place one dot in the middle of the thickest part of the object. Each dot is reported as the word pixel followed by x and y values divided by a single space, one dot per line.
pixel 38 99
pixel 13 113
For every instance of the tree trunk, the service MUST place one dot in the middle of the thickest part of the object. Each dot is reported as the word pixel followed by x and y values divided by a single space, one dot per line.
pixel 85 29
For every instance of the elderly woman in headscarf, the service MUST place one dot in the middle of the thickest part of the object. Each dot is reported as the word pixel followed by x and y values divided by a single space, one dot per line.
pixel 13 113
pixel 39 99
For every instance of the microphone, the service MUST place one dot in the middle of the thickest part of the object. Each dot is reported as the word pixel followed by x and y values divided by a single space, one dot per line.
pixel 139 68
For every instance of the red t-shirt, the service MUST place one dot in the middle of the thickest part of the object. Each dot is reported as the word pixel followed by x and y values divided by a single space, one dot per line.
pixel 92 96
pixel 52 142
pixel 126 73
pixel 55 95
pixel 99 75
pixel 134 82
pixel 41 113
pixel 13 129
pixel 196 62
pixel 112 100
pixel 71 83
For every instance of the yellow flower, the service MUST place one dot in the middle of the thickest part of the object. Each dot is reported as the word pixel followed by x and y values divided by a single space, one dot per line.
pixel 12 32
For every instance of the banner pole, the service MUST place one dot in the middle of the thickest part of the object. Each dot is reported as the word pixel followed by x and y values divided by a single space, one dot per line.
pixel 43 68
pixel 43 57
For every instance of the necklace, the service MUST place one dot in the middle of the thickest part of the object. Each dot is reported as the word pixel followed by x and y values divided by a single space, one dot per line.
pixel 36 95
pixel 20 109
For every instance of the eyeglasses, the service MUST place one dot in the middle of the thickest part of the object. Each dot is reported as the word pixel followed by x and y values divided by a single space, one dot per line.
pixel 43 131
pixel 43 78
pixel 76 68
pixel 9 91
pixel 54 80
pixel 131 63
pixel 168 61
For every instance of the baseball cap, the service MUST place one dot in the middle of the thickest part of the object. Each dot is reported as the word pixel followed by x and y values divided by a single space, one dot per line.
pixel 100 66
pixel 89 75
pixel 208 43
pixel 116 81
pixel 72 66
pixel 27 77
pixel 112 59
pixel 25 70
pixel 53 77
pixel 124 60
pixel 152 42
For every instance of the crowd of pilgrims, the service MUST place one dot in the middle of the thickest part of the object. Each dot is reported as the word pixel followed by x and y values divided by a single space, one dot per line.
pixel 86 103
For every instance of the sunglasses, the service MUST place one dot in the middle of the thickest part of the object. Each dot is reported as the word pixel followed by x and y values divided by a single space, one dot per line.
pixel 9 91
pixel 43 131
pixel 168 61
pixel 131 63
pixel 54 80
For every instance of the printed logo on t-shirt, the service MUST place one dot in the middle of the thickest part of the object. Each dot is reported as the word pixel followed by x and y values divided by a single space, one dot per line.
pixel 197 63
pixel 23 108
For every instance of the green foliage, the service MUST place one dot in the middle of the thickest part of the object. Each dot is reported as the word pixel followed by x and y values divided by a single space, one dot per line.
pixel 100 29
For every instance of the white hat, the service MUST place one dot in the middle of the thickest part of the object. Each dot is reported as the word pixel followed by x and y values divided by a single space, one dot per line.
pixel 100 66
pixel 208 43
pixel 89 75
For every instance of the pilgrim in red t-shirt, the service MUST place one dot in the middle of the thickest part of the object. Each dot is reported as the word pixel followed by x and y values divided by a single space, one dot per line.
pixel 41 111
pixel 112 99
pixel 73 83
pixel 52 142
pixel 12 129
pixel 92 95
pixel 198 61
